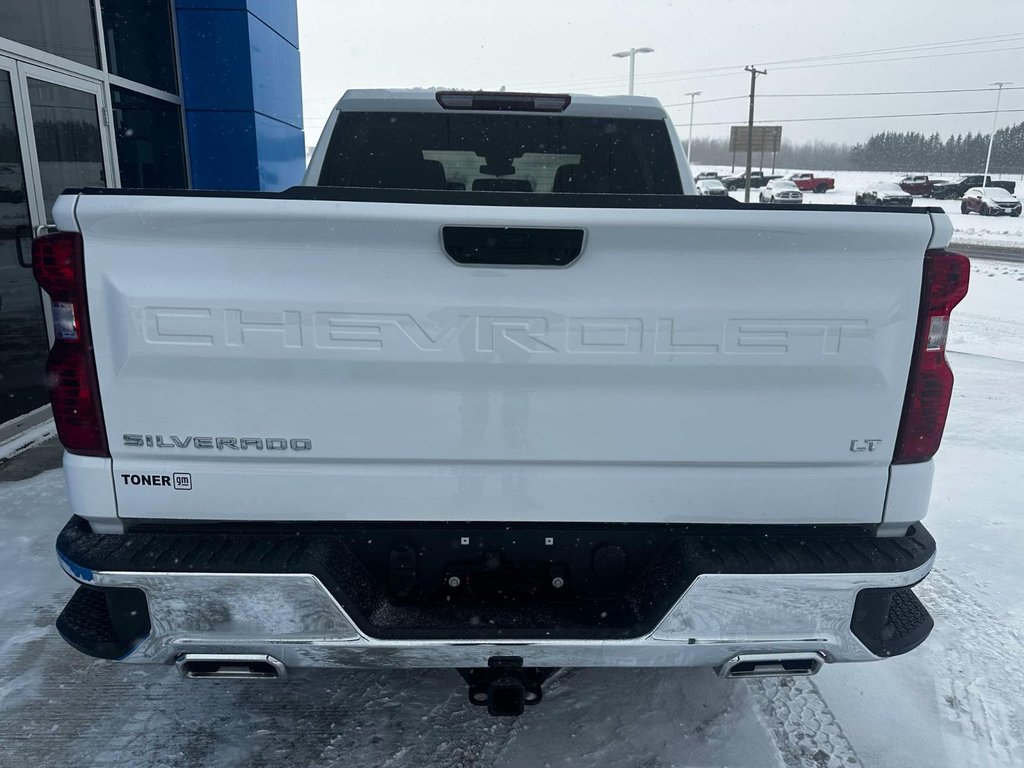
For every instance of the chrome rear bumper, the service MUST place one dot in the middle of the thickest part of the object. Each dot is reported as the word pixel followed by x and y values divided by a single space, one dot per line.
pixel 294 618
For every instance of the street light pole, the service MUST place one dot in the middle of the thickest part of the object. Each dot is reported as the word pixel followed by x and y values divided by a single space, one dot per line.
pixel 992 136
pixel 631 53
pixel 689 143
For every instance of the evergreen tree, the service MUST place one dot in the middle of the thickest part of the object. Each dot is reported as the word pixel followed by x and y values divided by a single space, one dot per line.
pixel 889 152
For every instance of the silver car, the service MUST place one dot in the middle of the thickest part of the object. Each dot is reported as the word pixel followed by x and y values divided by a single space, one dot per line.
pixel 712 187
pixel 781 191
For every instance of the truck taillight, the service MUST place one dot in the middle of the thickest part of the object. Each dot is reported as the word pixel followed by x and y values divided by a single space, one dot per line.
pixel 930 386
pixel 71 369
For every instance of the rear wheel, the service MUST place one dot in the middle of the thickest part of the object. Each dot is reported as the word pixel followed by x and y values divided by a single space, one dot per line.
pixel 984 210
pixel 821 189
pixel 964 209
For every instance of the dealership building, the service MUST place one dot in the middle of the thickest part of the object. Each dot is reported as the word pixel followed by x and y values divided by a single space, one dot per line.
pixel 170 94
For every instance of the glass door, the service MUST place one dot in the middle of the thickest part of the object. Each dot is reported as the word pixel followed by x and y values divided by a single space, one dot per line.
pixel 23 338
pixel 68 143
pixel 51 138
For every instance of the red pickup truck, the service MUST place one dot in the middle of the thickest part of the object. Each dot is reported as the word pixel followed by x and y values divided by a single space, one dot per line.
pixel 808 182
pixel 920 185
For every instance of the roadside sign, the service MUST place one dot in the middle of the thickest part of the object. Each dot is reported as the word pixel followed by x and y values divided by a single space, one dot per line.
pixel 762 138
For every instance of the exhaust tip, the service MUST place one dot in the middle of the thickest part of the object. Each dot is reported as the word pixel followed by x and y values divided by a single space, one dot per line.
pixel 230 667
pixel 750 665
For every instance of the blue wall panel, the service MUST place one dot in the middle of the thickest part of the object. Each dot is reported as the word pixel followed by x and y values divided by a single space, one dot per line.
pixel 280 15
pixel 216 64
pixel 279 144
pixel 242 94
pixel 223 150
pixel 275 74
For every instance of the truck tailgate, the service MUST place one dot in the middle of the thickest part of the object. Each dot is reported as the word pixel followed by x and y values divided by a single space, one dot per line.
pixel 323 360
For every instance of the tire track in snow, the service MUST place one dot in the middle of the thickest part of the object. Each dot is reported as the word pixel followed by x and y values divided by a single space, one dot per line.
pixel 978 679
pixel 806 732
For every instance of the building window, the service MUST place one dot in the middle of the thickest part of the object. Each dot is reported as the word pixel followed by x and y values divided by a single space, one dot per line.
pixel 23 341
pixel 68 139
pixel 140 42
pixel 150 147
pixel 62 27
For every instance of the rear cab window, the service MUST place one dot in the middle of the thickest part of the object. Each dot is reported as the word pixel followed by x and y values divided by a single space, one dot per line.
pixel 480 153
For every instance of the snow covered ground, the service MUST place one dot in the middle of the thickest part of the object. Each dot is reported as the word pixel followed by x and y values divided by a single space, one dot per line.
pixel 956 702
pixel 969 229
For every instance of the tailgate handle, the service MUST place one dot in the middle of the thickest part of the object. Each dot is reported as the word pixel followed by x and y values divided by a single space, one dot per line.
pixel 512 246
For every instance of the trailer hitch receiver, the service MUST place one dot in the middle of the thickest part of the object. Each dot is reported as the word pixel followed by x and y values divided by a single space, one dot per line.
pixel 505 686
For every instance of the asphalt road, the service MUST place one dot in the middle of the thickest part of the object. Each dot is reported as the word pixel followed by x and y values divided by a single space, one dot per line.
pixel 991 253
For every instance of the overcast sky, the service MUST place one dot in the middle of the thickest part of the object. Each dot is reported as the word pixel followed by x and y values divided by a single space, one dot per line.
pixel 566 45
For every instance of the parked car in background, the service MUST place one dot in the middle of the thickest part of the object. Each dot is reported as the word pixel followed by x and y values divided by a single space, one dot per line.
pixel 706 175
pixel 738 181
pixel 711 187
pixel 957 188
pixel 883 193
pixel 781 191
pixel 919 185
pixel 990 201
pixel 809 182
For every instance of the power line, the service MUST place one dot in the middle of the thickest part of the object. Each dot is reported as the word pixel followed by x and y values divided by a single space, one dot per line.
pixel 804 95
pixel 986 40
pixel 833 64
pixel 904 58
pixel 886 93
pixel 865 117
pixel 819 119
pixel 705 101
pixel 992 40
pixel 853 93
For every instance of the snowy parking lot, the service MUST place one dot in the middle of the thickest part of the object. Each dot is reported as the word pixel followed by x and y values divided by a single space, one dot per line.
pixel 969 229
pixel 957 701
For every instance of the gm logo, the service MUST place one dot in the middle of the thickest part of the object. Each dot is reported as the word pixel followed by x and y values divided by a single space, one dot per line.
pixel 182 481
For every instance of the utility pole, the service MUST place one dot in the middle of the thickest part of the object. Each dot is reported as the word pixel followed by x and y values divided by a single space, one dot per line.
pixel 754 72
pixel 689 144
pixel 631 54
pixel 992 136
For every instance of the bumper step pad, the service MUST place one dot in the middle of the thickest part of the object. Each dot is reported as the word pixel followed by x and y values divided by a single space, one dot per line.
pixel 890 622
pixel 106 623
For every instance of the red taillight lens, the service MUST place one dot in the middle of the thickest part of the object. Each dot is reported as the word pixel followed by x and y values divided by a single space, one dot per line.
pixel 71 370
pixel 930 387
pixel 75 399
pixel 55 262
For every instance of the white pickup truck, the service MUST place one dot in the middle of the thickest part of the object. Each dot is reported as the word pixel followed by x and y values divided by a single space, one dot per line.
pixel 494 390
